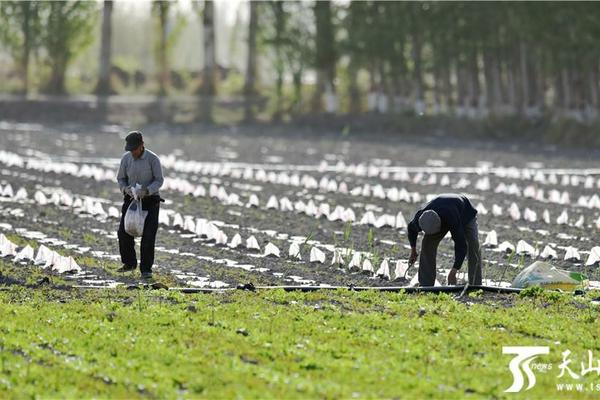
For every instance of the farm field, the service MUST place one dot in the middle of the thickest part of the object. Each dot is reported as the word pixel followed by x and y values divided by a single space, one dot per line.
pixel 298 142
pixel 271 209
pixel 346 202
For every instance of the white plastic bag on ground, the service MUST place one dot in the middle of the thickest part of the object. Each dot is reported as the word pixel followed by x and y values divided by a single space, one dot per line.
pixel 317 255
pixel 43 255
pixel 355 262
pixel 220 237
pixel 65 264
pixel 525 248
pixel 252 243
pixel 548 252
pixel 401 267
pixel 236 241
pixel 367 266
pixel 543 274
pixel 271 250
pixel 7 248
pixel 25 255
pixel 294 251
pixel 337 258
pixel 135 218
pixel 594 256
pixel 384 270
pixel 572 254
pixel 491 239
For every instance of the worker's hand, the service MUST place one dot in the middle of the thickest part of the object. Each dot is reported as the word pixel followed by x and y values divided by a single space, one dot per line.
pixel 452 277
pixel 413 256
pixel 128 192
pixel 142 193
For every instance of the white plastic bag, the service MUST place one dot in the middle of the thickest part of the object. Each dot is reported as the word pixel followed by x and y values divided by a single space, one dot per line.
pixel 135 216
pixel 547 276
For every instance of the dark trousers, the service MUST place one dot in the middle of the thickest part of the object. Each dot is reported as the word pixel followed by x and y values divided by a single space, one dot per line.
pixel 127 242
pixel 429 246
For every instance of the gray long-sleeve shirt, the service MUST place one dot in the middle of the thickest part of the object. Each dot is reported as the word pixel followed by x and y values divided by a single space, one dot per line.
pixel 146 170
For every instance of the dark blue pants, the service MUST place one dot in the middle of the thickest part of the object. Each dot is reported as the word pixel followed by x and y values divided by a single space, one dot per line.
pixel 127 242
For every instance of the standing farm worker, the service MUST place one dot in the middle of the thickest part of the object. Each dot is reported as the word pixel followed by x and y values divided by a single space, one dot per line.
pixel 446 213
pixel 139 166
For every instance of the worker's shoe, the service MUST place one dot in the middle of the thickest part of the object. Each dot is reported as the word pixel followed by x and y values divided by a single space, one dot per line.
pixel 126 268
pixel 147 277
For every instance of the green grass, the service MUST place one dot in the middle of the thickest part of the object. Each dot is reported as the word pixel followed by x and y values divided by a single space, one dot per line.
pixel 89 239
pixel 129 344
pixel 27 275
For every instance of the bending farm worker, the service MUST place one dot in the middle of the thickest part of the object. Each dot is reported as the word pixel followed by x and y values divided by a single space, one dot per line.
pixel 139 166
pixel 452 213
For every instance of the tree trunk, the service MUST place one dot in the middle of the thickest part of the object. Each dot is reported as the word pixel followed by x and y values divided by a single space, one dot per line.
pixel 325 54
pixel 536 77
pixel 208 89
pixel 373 89
pixel 398 71
pixel 384 90
pixel 474 85
pixel 448 92
pixel 592 96
pixel 491 81
pixel 461 87
pixel 297 78
pixel 523 61
pixel 419 106
pixel 593 85
pixel 558 93
pixel 353 88
pixel 250 82
pixel 279 31
pixel 448 64
pixel 438 86
pixel 57 52
pixel 103 87
pixel 28 9
pixel 163 62
pixel 566 89
pixel 578 89
pixel 511 87
pixel 502 71
pixel 57 78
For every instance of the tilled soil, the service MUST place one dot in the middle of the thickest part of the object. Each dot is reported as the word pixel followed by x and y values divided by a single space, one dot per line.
pixel 182 257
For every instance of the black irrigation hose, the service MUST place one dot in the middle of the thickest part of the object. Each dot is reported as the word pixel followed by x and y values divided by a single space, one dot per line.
pixel 428 289
pixel 250 287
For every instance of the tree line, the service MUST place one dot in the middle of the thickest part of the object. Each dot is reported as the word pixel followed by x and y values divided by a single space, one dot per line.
pixel 471 59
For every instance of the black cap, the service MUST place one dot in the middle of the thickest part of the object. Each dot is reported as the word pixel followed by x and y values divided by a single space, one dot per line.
pixel 133 140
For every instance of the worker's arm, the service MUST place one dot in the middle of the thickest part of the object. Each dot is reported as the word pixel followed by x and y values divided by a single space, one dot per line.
pixel 460 251
pixel 452 276
pixel 413 230
pixel 460 244
pixel 158 177
pixel 122 176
